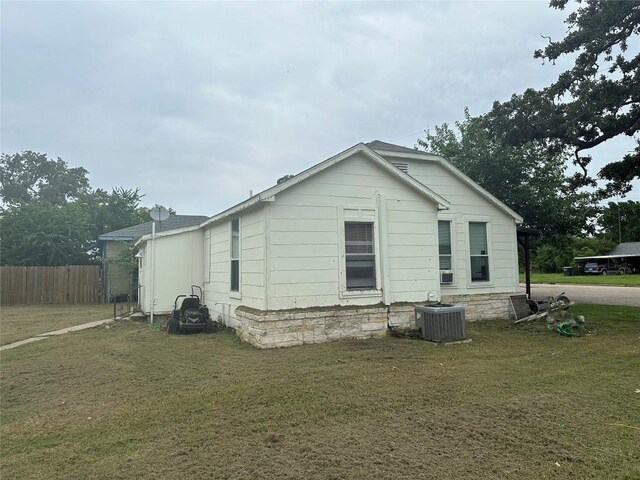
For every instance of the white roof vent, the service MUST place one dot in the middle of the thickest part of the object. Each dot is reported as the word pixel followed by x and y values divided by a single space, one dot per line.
pixel 402 166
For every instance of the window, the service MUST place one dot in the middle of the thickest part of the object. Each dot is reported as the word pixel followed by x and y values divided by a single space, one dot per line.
pixel 444 244
pixel 207 256
pixel 360 258
pixel 478 252
pixel 235 255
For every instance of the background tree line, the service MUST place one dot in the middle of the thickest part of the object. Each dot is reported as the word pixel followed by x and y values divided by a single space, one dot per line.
pixel 521 150
pixel 51 216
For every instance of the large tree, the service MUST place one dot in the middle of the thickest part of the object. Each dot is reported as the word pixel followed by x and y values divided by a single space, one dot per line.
pixel 620 222
pixel 529 178
pixel 40 233
pixel 51 216
pixel 109 211
pixel 594 101
pixel 29 176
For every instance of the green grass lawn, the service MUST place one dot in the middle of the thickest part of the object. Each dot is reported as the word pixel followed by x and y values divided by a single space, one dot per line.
pixel 517 402
pixel 18 322
pixel 628 280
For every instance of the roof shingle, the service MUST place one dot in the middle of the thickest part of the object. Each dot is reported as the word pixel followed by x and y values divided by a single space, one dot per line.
pixel 172 223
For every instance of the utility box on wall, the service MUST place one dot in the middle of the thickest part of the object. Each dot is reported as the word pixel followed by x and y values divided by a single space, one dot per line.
pixel 441 322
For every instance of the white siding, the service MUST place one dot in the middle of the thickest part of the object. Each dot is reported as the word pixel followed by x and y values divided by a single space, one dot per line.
pixel 220 300
pixel 177 266
pixel 468 205
pixel 305 237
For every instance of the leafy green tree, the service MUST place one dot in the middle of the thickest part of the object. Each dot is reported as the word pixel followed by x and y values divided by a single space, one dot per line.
pixel 107 212
pixel 621 221
pixel 40 233
pixel 50 215
pixel 596 100
pixel 529 178
pixel 29 176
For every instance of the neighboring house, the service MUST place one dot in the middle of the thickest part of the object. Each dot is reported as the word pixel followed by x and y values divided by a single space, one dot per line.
pixel 344 248
pixel 624 258
pixel 118 280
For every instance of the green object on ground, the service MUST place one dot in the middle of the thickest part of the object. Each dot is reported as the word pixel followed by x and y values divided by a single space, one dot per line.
pixel 569 329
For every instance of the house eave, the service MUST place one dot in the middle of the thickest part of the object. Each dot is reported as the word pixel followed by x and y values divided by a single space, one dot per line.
pixel 457 173
pixel 116 238
pixel 169 233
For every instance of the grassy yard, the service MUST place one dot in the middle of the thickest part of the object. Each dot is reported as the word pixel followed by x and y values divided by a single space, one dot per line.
pixel 18 322
pixel 621 280
pixel 518 402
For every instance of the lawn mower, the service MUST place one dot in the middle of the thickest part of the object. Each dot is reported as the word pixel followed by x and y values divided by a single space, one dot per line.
pixel 192 316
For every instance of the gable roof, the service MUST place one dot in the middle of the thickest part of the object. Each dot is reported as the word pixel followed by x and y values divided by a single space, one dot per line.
pixel 390 150
pixel 174 222
pixel 626 248
pixel 269 193
pixel 389 147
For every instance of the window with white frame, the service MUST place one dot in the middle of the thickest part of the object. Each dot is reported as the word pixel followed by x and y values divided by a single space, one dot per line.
pixel 235 255
pixel 207 257
pixel 444 244
pixel 360 258
pixel 478 251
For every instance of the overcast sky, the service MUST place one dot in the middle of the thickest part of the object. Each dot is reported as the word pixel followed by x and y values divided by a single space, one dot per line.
pixel 196 103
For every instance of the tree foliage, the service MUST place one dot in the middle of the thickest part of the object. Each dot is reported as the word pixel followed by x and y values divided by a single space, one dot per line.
pixel 29 176
pixel 529 178
pixel 621 221
pixel 596 100
pixel 107 212
pixel 41 233
pixel 51 216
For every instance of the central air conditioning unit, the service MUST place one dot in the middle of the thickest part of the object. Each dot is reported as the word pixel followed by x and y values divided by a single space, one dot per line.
pixel 441 322
pixel 446 276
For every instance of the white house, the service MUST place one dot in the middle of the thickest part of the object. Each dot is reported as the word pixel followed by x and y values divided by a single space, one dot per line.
pixel 344 248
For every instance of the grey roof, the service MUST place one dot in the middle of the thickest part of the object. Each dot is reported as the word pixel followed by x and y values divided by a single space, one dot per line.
pixel 172 223
pixel 626 248
pixel 390 147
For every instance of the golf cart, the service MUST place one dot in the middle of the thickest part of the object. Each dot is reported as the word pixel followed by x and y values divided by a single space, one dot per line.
pixel 192 316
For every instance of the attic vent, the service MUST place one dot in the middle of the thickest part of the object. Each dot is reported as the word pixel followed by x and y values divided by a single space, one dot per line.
pixel 402 166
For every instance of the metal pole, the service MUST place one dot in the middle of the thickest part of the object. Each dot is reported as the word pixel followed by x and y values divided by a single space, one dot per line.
pixel 619 223
pixel 527 265
pixel 153 261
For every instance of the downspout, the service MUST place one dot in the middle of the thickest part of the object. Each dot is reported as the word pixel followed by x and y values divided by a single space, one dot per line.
pixel 384 250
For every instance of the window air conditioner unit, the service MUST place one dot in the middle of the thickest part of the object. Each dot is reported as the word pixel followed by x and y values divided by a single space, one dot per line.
pixel 446 276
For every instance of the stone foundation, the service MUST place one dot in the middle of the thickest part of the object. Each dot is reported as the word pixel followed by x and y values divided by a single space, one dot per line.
pixel 483 307
pixel 285 328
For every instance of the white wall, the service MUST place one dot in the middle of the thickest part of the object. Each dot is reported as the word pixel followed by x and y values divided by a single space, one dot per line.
pixel 468 205
pixel 299 262
pixel 217 267
pixel 305 257
pixel 178 265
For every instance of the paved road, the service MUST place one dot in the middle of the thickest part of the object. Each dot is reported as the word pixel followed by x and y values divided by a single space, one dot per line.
pixel 596 294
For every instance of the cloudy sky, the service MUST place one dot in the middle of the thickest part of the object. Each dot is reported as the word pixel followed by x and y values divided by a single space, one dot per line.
pixel 196 103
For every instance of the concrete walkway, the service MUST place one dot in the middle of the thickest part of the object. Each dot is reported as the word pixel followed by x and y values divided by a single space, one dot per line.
pixel 42 336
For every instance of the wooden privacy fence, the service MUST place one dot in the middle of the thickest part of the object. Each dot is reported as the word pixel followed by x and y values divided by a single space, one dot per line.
pixel 33 285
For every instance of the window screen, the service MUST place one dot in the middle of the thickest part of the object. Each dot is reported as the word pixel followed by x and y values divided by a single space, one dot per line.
pixel 444 244
pixel 359 256
pixel 478 252
pixel 235 255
